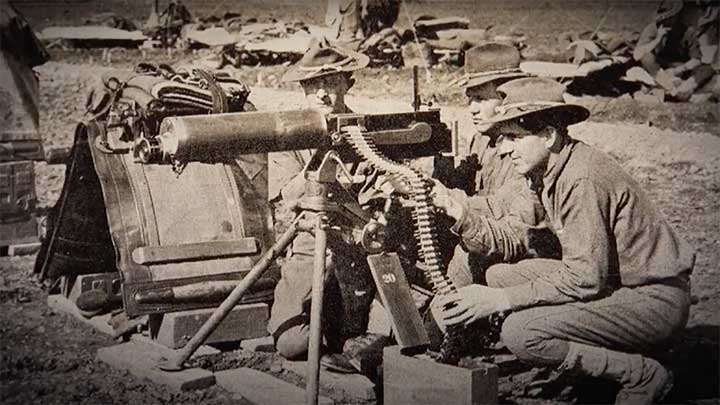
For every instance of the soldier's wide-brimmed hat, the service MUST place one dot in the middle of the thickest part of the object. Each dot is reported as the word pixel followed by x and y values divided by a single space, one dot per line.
pixel 535 100
pixel 322 59
pixel 490 65
pixel 667 9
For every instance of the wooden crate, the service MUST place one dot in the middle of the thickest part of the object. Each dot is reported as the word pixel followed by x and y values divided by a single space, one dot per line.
pixel 411 380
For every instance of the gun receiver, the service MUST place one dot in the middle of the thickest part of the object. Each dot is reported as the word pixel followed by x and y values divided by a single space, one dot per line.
pixel 211 137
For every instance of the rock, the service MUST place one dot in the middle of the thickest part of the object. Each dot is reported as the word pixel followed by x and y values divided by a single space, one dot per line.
pixel 666 79
pixel 700 98
pixel 639 75
pixel 650 98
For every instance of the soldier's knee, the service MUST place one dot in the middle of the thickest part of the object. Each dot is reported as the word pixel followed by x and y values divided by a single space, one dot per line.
pixel 513 335
pixel 292 344
pixel 495 274
pixel 529 341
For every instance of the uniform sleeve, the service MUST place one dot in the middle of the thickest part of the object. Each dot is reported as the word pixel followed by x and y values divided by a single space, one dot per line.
pixel 284 174
pixel 584 232
pixel 490 237
pixel 496 225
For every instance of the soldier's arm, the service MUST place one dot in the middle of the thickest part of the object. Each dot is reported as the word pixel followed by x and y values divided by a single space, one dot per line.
pixel 497 225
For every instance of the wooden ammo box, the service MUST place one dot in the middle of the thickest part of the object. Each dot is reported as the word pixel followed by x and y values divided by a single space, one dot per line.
pixel 18 224
pixel 411 380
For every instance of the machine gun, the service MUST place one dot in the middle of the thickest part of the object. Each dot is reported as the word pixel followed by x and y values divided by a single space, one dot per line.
pixel 213 137
pixel 339 139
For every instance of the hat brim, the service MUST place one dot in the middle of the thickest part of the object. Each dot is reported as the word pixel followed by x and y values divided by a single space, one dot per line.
pixel 476 81
pixel 673 10
pixel 295 74
pixel 562 115
pixel 550 69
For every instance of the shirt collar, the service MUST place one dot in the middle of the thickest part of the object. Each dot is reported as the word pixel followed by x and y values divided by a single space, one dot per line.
pixel 553 170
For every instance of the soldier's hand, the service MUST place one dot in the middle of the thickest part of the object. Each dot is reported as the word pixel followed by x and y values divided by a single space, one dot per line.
pixel 444 200
pixel 469 304
pixel 394 183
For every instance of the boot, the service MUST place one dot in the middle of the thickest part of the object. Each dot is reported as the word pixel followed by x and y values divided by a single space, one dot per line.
pixel 361 354
pixel 643 380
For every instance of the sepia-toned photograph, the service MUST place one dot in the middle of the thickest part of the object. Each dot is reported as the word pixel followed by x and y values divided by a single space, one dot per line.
pixel 262 202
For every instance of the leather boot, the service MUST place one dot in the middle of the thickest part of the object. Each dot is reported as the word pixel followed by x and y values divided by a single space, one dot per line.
pixel 643 380
pixel 361 354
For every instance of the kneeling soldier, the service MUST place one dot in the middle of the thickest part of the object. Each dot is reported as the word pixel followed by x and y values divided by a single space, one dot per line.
pixel 621 289
pixel 325 75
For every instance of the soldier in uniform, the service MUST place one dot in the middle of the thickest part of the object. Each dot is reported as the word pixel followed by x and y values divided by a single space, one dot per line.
pixel 489 188
pixel 495 209
pixel 680 48
pixel 354 20
pixel 325 75
pixel 621 288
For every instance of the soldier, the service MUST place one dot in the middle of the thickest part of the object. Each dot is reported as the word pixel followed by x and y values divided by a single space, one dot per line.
pixel 325 74
pixel 493 190
pixel 354 20
pixel 497 209
pixel 680 48
pixel 621 288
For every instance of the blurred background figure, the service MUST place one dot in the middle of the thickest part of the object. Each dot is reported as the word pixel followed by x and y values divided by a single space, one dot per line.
pixel 354 20
pixel 680 48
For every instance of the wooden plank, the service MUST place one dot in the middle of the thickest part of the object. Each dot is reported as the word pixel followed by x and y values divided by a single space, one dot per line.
pixel 203 250
pixel 23 249
pixel 247 321
pixel 397 299
pixel 141 360
pixel 410 380
pixel 351 387
pixel 195 251
pixel 203 350
pixel 263 389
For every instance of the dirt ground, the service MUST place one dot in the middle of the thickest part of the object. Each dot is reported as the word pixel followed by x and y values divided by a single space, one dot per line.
pixel 49 357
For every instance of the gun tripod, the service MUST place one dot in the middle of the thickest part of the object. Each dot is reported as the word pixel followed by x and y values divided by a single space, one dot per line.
pixel 320 205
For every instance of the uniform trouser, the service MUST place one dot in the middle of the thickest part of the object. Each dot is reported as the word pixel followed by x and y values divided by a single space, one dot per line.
pixel 640 319
pixel 466 268
pixel 348 294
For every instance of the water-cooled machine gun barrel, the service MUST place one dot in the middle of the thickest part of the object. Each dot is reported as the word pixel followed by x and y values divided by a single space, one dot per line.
pixel 208 137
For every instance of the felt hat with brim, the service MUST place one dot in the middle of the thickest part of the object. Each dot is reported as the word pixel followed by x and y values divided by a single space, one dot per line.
pixel 323 60
pixel 490 64
pixel 667 9
pixel 489 79
pixel 533 100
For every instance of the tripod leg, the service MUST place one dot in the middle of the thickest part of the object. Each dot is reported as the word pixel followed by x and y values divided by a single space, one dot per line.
pixel 318 286
pixel 175 363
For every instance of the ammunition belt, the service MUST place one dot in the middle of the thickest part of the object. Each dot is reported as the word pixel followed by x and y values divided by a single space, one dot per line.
pixel 426 235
